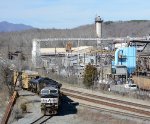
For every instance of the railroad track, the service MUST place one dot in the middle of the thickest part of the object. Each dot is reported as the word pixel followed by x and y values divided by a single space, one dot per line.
pixel 116 112
pixel 113 103
pixel 41 120
pixel 108 99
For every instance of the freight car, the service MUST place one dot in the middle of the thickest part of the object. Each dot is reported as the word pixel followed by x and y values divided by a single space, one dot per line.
pixel 143 82
pixel 50 100
pixel 22 78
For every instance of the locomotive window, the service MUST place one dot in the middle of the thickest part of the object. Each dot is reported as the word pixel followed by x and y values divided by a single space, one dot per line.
pixel 133 86
pixel 53 91
pixel 45 92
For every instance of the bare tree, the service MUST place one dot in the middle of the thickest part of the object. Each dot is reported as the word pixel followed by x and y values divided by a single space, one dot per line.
pixel 6 76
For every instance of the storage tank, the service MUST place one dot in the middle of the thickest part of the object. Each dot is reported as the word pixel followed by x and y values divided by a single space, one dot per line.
pixel 98 25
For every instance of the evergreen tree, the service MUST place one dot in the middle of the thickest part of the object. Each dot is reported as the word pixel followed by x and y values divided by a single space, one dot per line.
pixel 90 75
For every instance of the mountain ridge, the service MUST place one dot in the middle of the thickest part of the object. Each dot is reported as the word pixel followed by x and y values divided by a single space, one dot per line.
pixel 11 27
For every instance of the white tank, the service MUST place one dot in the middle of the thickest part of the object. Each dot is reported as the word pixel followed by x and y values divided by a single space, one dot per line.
pixel 98 24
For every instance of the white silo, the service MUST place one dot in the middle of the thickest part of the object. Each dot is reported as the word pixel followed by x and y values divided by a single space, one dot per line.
pixel 98 25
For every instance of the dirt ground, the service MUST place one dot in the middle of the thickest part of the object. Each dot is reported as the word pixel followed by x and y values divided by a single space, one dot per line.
pixel 95 117
pixel 70 112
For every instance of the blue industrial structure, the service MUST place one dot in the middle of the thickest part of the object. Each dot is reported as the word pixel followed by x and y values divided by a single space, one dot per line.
pixel 126 56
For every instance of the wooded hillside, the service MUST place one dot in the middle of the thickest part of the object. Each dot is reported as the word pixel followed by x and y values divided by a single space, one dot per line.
pixel 13 41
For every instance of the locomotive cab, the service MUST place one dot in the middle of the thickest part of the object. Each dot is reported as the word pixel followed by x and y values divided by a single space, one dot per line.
pixel 49 100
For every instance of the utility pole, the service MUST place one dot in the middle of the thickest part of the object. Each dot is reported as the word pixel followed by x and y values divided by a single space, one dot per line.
pixel 78 63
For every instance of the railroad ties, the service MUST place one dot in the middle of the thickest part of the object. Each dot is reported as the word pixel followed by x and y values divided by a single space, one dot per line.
pixel 41 120
pixel 125 107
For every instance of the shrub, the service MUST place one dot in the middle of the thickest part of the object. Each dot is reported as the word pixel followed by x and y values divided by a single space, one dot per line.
pixel 23 107
pixel 90 75
pixel 18 114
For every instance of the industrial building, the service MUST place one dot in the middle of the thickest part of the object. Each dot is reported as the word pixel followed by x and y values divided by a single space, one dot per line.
pixel 78 58
pixel 116 59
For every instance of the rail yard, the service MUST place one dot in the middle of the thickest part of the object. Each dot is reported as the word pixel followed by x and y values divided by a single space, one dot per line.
pixel 135 111
pixel 108 82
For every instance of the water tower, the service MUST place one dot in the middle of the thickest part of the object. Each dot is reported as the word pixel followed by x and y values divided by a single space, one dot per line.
pixel 98 25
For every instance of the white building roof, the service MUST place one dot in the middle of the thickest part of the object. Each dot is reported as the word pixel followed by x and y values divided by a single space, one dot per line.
pixel 82 49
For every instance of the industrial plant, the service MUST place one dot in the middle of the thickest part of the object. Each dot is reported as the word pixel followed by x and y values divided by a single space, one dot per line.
pixel 119 61
pixel 108 75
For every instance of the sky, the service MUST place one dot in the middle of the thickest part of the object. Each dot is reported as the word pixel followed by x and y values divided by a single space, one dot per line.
pixel 71 13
